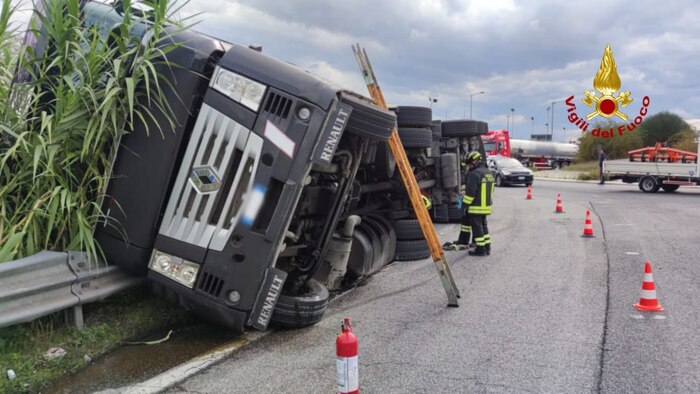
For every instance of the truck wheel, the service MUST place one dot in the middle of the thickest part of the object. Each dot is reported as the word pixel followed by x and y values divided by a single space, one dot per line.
pixel 412 250
pixel 407 116
pixel 408 229
pixel 464 128
pixel 670 188
pixel 556 165
pixel 369 121
pixel 499 181
pixel 414 137
pixel 649 184
pixel 302 310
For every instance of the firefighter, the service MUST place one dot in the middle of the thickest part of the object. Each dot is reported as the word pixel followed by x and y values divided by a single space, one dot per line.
pixel 478 199
pixel 465 229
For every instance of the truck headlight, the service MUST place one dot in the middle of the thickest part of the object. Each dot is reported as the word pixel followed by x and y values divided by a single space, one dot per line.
pixel 239 88
pixel 175 268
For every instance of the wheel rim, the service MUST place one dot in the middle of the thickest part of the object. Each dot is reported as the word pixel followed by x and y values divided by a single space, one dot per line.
pixel 648 184
pixel 499 181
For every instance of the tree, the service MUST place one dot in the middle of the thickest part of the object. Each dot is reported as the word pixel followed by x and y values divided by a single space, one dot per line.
pixel 660 127
pixel 615 147
pixel 684 140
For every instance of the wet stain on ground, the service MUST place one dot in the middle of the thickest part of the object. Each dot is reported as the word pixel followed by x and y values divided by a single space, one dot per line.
pixel 135 363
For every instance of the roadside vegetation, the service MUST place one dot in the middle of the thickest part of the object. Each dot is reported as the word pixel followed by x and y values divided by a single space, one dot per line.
pixel 108 324
pixel 61 119
pixel 62 113
pixel 664 127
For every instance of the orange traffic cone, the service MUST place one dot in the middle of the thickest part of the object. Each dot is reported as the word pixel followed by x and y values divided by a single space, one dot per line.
pixel 559 209
pixel 529 193
pixel 648 301
pixel 588 227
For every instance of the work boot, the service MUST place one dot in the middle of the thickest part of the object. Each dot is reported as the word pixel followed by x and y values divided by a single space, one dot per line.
pixel 487 249
pixel 479 251
pixel 460 246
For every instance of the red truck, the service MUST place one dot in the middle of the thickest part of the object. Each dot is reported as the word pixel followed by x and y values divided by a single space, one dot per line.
pixel 541 154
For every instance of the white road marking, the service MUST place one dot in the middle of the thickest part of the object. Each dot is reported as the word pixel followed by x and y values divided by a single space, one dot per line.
pixel 632 253
pixel 659 317
pixel 638 317
pixel 624 224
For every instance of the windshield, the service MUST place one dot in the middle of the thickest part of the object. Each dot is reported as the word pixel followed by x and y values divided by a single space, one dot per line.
pixel 489 146
pixel 509 163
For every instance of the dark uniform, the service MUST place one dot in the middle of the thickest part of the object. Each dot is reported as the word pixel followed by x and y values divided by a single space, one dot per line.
pixel 478 199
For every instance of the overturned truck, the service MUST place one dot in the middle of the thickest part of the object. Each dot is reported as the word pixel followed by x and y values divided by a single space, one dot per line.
pixel 245 211
pixel 270 188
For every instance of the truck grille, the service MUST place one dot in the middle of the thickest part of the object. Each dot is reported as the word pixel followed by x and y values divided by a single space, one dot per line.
pixel 216 173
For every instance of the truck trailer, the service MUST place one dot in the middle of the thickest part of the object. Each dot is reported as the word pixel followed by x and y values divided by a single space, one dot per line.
pixel 540 154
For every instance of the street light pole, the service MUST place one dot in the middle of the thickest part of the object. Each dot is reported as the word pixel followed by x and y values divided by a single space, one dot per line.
pixel 512 111
pixel 554 102
pixel 432 100
pixel 471 100
pixel 508 123
pixel 532 128
pixel 547 124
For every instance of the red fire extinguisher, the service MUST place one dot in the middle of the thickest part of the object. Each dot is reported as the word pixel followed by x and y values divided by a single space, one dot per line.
pixel 346 361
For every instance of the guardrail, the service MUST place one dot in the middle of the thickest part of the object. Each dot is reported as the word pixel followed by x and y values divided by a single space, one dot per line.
pixel 49 282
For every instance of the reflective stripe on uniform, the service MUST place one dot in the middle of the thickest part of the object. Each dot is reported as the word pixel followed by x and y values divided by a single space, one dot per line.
pixel 480 210
pixel 466 229
pixel 467 199
pixel 427 202
pixel 479 241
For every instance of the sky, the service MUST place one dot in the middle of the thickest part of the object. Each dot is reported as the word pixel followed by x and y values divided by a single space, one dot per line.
pixel 522 54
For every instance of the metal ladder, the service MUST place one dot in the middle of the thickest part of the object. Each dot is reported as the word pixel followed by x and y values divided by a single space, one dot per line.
pixel 409 181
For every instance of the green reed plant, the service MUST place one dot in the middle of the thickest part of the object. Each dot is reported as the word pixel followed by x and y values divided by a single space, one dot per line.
pixel 60 128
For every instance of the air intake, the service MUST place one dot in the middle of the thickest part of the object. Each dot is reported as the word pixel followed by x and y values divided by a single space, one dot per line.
pixel 210 284
pixel 278 105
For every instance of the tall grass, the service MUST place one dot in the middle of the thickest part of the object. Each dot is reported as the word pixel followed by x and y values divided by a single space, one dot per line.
pixel 60 131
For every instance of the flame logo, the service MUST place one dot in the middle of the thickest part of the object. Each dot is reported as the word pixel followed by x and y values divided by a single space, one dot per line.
pixel 607 82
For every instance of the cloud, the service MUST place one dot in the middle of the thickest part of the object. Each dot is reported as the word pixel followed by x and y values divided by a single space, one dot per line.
pixel 523 54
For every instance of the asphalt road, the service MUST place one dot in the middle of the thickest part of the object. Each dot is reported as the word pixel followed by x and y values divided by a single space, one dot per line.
pixel 548 311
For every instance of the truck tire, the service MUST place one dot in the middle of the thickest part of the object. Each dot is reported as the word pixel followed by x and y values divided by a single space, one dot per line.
pixel 414 137
pixel 412 250
pixel 369 121
pixel 408 229
pixel 439 213
pixel 464 128
pixel 454 214
pixel 384 162
pixel 389 245
pixel 649 184
pixel 556 165
pixel 670 188
pixel 301 310
pixel 407 116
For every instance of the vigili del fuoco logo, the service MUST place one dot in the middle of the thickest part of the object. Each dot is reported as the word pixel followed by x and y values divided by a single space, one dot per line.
pixel 608 104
